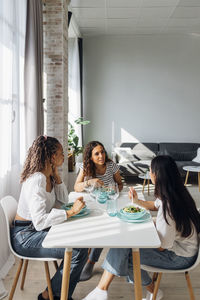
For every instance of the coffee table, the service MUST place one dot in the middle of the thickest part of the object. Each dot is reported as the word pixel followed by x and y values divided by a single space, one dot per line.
pixel 147 177
pixel 192 169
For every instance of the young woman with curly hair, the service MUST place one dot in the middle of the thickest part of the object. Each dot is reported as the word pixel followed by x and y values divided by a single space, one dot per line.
pixel 96 168
pixel 41 188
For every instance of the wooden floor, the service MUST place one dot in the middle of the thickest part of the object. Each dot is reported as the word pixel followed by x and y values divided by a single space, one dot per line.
pixel 173 286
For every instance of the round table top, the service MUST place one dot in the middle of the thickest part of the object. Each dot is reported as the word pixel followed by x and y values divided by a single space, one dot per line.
pixel 144 176
pixel 192 168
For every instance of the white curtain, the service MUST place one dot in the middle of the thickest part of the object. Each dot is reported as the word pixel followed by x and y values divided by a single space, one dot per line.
pixel 12 132
pixel 74 85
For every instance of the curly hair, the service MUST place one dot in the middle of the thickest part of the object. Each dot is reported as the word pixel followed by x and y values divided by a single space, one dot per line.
pixel 88 165
pixel 41 150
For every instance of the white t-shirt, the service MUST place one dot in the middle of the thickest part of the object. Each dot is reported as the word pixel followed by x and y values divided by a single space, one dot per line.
pixel 36 204
pixel 171 239
pixel 111 169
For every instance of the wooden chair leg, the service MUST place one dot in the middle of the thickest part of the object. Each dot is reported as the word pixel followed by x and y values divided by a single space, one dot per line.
pixel 187 277
pixel 55 264
pixel 16 279
pixel 157 283
pixel 186 178
pixel 24 274
pixel 48 280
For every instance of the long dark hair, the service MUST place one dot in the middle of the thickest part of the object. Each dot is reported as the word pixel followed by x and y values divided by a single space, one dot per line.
pixel 41 150
pixel 89 168
pixel 177 201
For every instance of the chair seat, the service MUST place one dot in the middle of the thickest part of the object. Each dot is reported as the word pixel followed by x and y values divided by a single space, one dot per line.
pixel 159 270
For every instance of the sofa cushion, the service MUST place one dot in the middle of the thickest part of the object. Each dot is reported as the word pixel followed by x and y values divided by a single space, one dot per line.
pixel 124 154
pixel 197 158
pixel 180 156
pixel 133 169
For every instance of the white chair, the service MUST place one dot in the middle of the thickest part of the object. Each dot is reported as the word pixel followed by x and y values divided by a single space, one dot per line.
pixel 9 205
pixel 158 274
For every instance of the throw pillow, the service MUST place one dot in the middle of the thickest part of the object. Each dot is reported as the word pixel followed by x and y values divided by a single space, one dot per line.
pixel 197 158
pixel 182 156
pixel 143 154
pixel 124 154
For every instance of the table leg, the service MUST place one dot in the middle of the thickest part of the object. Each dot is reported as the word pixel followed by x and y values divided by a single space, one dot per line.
pixel 137 274
pixel 66 274
pixel 199 180
pixel 186 178
pixel 143 185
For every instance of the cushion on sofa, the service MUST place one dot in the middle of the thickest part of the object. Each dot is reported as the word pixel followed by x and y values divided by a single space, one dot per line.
pixel 179 156
pixel 124 154
pixel 197 158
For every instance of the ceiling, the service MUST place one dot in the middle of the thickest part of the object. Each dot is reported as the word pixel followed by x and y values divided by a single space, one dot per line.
pixel 129 17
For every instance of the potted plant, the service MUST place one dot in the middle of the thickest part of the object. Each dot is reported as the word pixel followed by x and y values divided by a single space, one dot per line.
pixel 73 140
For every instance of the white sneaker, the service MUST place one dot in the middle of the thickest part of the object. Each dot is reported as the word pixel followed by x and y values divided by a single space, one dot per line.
pixel 149 296
pixel 97 294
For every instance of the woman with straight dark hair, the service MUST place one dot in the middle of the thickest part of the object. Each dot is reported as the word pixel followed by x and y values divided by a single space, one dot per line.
pixel 177 223
pixel 98 169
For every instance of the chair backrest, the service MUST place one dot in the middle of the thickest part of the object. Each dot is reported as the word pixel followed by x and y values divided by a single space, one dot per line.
pixel 9 205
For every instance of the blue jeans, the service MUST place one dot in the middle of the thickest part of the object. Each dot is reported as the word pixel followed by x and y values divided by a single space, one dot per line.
pixel 119 262
pixel 27 241
pixel 94 254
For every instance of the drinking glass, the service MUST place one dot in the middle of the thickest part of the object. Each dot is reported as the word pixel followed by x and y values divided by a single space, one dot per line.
pixel 113 194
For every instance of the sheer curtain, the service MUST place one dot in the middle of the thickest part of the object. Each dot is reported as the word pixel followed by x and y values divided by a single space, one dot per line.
pixel 74 85
pixel 12 132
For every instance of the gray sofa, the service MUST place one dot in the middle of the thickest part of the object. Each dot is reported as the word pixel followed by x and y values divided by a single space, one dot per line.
pixel 135 158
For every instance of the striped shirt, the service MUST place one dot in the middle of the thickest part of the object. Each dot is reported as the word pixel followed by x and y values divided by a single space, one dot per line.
pixel 107 177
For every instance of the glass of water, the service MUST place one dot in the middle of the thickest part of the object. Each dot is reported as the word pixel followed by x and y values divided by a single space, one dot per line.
pixel 113 194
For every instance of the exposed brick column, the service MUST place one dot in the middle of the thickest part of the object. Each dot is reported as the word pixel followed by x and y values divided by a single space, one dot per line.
pixel 55 24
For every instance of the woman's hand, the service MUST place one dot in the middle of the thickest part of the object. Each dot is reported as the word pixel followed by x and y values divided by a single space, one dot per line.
pixel 95 181
pixel 55 174
pixel 133 195
pixel 78 205
pixel 76 208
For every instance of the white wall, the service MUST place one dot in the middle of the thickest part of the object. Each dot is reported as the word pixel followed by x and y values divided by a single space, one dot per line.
pixel 144 88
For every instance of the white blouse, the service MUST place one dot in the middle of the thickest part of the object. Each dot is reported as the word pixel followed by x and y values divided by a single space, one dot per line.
pixel 36 204
pixel 170 238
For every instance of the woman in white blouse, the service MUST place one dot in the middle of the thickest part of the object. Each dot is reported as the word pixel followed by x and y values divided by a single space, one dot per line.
pixel 177 223
pixel 42 189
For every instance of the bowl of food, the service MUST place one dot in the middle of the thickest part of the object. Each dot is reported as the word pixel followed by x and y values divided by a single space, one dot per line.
pixel 133 212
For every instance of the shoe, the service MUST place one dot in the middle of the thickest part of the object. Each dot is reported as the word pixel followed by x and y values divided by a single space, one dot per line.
pixel 97 294
pixel 149 296
pixel 55 297
pixel 86 273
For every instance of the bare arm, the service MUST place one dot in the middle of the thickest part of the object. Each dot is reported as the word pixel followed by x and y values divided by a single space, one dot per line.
pixel 146 204
pixel 80 184
pixel 118 180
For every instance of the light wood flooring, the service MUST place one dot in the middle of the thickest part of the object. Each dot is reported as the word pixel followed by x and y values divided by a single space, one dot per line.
pixel 173 286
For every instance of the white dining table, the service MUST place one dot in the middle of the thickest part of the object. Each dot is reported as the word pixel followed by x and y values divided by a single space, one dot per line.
pixel 98 230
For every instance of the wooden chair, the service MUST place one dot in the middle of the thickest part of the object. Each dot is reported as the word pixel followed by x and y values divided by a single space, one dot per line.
pixel 158 274
pixel 9 205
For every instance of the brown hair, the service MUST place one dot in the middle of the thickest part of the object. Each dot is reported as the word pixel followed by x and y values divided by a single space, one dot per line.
pixel 88 165
pixel 41 150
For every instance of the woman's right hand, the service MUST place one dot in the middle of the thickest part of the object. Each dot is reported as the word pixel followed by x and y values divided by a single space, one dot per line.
pixel 95 181
pixel 76 208
pixel 133 195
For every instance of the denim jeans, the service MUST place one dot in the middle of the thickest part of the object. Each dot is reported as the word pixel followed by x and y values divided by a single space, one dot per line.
pixel 94 254
pixel 119 262
pixel 27 241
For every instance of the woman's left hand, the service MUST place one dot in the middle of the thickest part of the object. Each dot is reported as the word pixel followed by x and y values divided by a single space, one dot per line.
pixel 55 174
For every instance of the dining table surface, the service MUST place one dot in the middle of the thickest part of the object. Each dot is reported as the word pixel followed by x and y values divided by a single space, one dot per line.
pixel 96 229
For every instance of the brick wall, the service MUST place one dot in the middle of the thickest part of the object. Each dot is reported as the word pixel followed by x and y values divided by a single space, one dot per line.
pixel 55 25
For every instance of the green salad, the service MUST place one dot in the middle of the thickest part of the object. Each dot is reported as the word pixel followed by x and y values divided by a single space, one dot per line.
pixel 132 209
